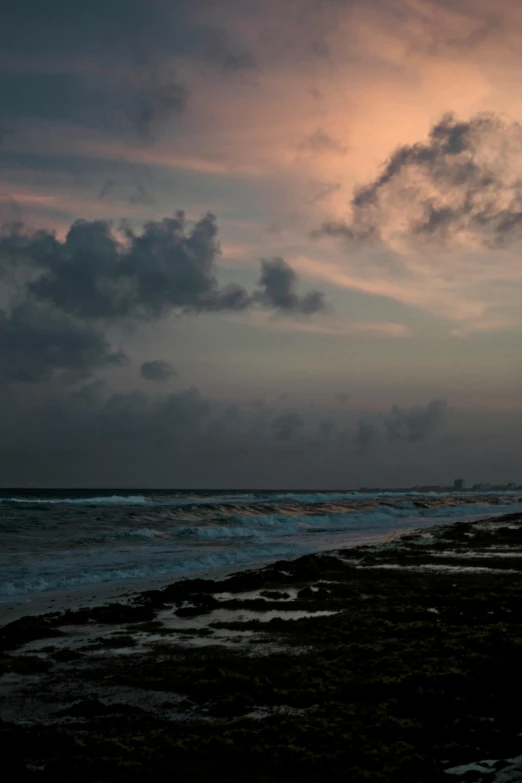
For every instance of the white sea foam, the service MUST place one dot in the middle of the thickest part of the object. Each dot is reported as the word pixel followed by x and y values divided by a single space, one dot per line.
pixel 101 500
pixel 86 576
pixel 141 532
pixel 259 497
pixel 340 522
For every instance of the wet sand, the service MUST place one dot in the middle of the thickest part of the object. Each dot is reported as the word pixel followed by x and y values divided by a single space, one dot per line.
pixel 389 662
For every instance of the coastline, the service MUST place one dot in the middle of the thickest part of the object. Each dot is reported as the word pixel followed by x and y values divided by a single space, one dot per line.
pixel 393 661
pixel 13 607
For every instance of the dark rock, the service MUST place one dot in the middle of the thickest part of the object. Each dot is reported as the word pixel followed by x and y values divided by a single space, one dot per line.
pixel 65 655
pixel 91 708
pixel 24 664
pixel 192 611
pixel 109 615
pixel 26 629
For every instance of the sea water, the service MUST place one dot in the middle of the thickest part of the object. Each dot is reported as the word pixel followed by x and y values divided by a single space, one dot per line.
pixel 62 540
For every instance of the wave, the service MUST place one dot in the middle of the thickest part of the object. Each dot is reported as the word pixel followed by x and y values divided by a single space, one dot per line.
pixel 53 550
pixel 328 497
pixel 220 531
pixel 141 532
pixel 282 525
pixel 245 556
pixel 241 499
pixel 111 500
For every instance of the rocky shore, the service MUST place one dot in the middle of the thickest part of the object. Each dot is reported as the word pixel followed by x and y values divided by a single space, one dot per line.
pixel 394 662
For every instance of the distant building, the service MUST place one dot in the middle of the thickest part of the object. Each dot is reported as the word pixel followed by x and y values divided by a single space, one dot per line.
pixel 459 484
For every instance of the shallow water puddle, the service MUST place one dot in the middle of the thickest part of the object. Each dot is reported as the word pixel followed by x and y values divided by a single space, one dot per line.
pixel 290 594
pixel 490 554
pixel 450 569
pixel 171 620
pixel 192 631
pixel 495 770
pixel 224 636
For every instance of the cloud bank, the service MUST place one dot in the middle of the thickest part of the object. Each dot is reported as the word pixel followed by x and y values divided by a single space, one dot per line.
pixel 94 437
pixel 400 424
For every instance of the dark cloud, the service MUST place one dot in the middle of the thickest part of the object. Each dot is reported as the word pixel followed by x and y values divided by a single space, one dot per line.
pixel 127 46
pixel 37 343
pixel 460 183
pixel 327 427
pixel 95 437
pixel 60 287
pixel 140 192
pixel 147 97
pixel 367 433
pixel 440 37
pixel 121 95
pixel 278 281
pixel 157 370
pixel 132 413
pixel 219 49
pixel 5 132
pixel 93 393
pixel 286 425
pixel 400 424
pixel 30 94
pixel 94 274
pixel 323 190
pixel 413 424
pixel 65 27
pixel 225 428
pixel 108 185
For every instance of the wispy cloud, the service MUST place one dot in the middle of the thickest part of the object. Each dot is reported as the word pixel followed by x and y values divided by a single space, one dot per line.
pixel 331 327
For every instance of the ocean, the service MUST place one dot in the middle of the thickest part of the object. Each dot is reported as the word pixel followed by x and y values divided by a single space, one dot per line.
pixel 63 540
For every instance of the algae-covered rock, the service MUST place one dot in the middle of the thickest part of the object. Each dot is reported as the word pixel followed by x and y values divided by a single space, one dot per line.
pixel 26 629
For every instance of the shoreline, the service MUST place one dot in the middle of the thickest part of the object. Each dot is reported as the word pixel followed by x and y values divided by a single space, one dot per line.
pixel 393 661
pixel 89 595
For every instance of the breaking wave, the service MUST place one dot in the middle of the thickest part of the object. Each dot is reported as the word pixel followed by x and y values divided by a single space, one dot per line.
pixel 102 500
pixel 42 583
pixel 227 499
pixel 278 524
pixel 65 540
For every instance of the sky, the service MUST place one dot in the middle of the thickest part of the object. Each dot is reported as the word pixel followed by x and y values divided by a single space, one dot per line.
pixel 255 245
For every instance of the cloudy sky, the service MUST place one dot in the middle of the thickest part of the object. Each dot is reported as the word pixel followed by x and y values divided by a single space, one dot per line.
pixel 255 244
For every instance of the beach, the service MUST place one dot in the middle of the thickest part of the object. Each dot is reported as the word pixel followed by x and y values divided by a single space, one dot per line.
pixel 391 661
pixel 260 385
pixel 63 548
